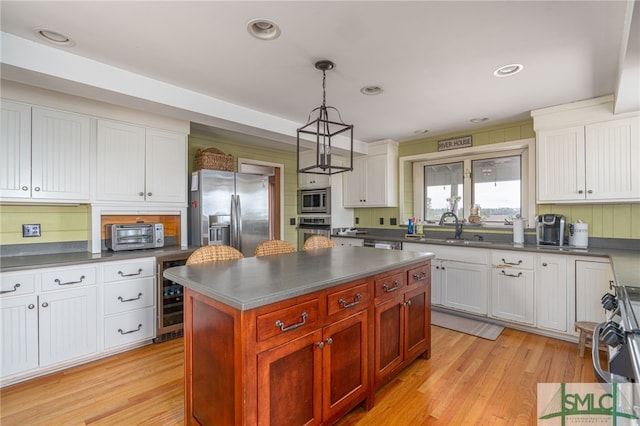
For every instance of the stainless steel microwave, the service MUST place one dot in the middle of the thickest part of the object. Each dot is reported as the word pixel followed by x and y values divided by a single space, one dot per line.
pixel 134 236
pixel 314 201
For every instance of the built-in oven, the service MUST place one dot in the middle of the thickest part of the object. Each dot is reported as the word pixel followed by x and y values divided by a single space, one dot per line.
pixel 314 201
pixel 310 225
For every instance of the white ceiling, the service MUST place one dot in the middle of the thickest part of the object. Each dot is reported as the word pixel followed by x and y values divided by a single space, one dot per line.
pixel 434 60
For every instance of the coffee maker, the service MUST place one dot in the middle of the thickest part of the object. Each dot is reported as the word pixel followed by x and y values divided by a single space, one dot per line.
pixel 550 229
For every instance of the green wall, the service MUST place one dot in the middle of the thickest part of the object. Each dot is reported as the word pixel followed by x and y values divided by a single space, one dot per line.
pixel 605 220
pixel 58 223
pixel 271 155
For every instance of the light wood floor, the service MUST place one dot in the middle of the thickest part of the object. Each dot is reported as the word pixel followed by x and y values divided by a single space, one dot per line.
pixel 467 381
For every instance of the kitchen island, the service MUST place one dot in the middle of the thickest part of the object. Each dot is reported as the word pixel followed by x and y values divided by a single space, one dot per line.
pixel 300 338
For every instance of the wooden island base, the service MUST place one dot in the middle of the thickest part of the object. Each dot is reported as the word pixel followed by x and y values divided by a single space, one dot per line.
pixel 306 360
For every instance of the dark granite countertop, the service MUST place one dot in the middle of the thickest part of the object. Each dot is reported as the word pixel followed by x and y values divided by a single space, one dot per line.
pixel 16 263
pixel 257 281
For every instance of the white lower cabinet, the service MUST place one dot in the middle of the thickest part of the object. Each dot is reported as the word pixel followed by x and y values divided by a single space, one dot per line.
pixel 129 302
pixel 18 334
pixel 592 282
pixel 353 242
pixel 552 288
pixel 512 286
pixel 53 318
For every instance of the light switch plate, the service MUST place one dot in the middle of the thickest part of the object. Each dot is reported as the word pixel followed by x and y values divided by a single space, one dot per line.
pixel 31 230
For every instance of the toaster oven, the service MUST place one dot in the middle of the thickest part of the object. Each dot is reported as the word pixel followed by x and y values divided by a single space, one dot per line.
pixel 134 236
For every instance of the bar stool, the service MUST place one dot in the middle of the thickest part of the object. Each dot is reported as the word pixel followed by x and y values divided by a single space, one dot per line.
pixel 586 334
pixel 213 254
pixel 269 247
pixel 318 242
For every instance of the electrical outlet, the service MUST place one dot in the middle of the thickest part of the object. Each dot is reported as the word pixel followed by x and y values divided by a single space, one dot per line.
pixel 292 221
pixel 382 221
pixel 357 220
pixel 393 221
pixel 32 230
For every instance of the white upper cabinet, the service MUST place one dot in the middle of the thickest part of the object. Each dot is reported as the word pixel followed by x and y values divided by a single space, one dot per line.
pixel 46 154
pixel 312 180
pixel 374 179
pixel 586 154
pixel 136 164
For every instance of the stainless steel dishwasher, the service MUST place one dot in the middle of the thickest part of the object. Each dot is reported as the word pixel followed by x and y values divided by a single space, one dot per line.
pixel 381 244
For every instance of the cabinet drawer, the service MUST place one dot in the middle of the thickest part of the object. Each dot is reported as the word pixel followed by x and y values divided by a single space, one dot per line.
pixel 128 295
pixel 302 316
pixel 389 285
pixel 513 259
pixel 352 299
pixel 419 276
pixel 139 268
pixel 129 327
pixel 65 278
pixel 16 284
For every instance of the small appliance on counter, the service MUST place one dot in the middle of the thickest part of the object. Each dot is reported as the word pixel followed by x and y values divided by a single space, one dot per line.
pixel 134 236
pixel 579 234
pixel 550 229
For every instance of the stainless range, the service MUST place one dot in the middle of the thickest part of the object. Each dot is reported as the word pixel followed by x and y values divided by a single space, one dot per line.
pixel 310 225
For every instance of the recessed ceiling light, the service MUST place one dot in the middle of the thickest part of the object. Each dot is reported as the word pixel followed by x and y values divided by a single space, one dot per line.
pixel 371 90
pixel 54 37
pixel 263 29
pixel 479 120
pixel 421 131
pixel 508 70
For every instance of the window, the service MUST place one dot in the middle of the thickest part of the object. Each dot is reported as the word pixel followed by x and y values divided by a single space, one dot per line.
pixel 495 182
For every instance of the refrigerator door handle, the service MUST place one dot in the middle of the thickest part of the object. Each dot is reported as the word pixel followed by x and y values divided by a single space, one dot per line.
pixel 232 230
pixel 239 222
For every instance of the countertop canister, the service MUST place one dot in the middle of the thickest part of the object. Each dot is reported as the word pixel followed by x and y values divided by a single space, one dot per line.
pixel 518 231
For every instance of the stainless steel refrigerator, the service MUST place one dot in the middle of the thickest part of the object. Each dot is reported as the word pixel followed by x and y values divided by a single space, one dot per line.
pixel 228 208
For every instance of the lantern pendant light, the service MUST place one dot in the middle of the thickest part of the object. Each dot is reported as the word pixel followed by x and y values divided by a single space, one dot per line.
pixel 323 129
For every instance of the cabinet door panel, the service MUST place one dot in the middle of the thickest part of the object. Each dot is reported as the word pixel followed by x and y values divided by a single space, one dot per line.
pixel 166 167
pixel 418 321
pixel 551 292
pixel 121 159
pixel 612 151
pixel 15 150
pixel 290 383
pixel 389 329
pixel 376 181
pixel 512 294
pixel 592 281
pixel 68 325
pixel 560 164
pixel 464 286
pixel 345 362
pixel 18 334
pixel 60 155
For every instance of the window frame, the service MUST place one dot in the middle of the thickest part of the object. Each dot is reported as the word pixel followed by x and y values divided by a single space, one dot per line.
pixel 524 147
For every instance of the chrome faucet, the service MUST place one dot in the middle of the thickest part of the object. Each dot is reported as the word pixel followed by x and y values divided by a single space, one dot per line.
pixel 458 232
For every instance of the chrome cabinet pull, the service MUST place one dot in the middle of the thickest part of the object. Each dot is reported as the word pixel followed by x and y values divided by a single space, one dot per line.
pixel 580 191
pixel 70 282
pixel 509 263
pixel 329 341
pixel 544 263
pixel 130 331
pixel 387 289
pixel 141 194
pixel 15 288
pixel 420 277
pixel 320 345
pixel 149 194
pixel 356 300
pixel 31 306
pixel 37 188
pixel 130 300
pixel 292 326
pixel 45 304
pixel 25 188
pixel 407 303
pixel 589 192
pixel 122 274
pixel 511 275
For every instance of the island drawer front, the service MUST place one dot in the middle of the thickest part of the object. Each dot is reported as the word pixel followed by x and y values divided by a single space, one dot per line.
pixel 129 327
pixel 418 277
pixel 513 259
pixel 302 316
pixel 389 285
pixel 16 284
pixel 139 268
pixel 128 295
pixel 65 278
pixel 353 299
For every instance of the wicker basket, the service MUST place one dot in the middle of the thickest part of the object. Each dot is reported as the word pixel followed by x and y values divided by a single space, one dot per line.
pixel 213 159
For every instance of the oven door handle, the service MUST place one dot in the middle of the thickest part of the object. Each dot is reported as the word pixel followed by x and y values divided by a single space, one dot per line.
pixel 595 354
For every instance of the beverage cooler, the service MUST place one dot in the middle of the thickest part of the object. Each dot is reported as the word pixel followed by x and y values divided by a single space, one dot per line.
pixel 170 299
